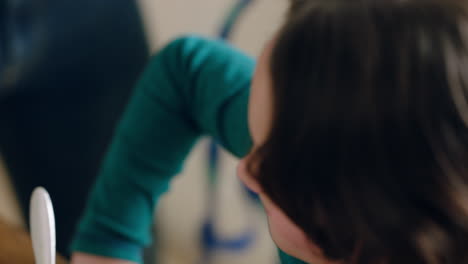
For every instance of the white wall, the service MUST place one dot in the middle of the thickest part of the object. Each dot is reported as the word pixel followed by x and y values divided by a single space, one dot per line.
pixel 166 19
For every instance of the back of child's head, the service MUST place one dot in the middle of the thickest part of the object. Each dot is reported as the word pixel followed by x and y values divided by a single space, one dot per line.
pixel 368 151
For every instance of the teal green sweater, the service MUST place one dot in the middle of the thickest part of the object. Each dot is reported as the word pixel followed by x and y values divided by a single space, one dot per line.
pixel 193 87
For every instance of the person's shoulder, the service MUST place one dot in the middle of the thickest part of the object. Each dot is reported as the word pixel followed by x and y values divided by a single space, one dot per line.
pixel 190 43
pixel 198 45
pixel 193 39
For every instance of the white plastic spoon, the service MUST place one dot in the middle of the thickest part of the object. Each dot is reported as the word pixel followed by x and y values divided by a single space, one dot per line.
pixel 42 225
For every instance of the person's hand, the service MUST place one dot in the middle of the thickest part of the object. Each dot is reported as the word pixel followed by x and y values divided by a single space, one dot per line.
pixel 83 258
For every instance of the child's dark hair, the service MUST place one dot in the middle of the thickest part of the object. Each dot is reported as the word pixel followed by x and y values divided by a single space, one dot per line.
pixel 368 151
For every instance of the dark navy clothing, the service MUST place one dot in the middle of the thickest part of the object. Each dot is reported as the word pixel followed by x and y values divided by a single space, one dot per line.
pixel 66 70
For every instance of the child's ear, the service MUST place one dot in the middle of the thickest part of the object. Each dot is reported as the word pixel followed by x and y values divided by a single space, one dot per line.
pixel 249 180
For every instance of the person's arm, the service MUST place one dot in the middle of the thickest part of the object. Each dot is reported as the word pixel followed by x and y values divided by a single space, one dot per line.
pixel 193 87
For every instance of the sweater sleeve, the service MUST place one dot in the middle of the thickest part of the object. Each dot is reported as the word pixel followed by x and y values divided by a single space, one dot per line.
pixel 192 87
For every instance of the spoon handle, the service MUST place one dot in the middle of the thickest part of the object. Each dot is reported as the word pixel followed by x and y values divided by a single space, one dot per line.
pixel 42 225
